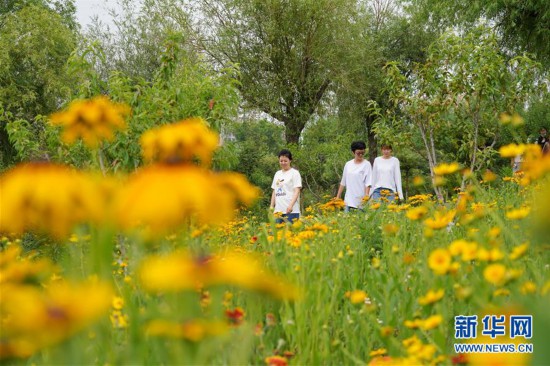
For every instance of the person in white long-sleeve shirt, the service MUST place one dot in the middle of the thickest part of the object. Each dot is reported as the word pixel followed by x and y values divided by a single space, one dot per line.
pixel 356 178
pixel 386 175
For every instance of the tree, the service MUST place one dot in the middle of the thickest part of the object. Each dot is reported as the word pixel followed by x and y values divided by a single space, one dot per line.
pixel 460 90
pixel 381 33
pixel 134 45
pixel 36 44
pixel 523 25
pixel 287 51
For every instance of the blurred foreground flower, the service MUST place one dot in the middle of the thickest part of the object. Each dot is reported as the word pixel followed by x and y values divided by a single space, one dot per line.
pixel 440 219
pixel 34 318
pixel 163 197
pixel 445 169
pixel 181 271
pixel 91 120
pixel 180 142
pixel 48 198
pixel 192 330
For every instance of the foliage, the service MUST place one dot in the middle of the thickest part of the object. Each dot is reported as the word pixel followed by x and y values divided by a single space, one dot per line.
pixel 524 25
pixel 36 44
pixel 381 32
pixel 458 94
pixel 138 38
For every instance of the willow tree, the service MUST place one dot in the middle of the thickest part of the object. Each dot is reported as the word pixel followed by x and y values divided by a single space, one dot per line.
pixel 287 51
pixel 36 43
pixel 463 86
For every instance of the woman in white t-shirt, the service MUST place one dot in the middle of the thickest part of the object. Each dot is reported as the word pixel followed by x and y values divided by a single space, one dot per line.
pixel 386 176
pixel 356 178
pixel 286 185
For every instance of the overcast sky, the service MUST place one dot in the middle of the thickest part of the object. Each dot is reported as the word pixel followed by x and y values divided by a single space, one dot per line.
pixel 85 9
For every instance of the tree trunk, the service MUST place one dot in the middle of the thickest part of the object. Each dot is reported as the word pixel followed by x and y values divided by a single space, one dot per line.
pixel 372 144
pixel 293 130
pixel 432 159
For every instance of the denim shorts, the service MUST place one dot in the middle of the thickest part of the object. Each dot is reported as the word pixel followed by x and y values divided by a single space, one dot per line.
pixel 377 195
pixel 291 217
pixel 351 209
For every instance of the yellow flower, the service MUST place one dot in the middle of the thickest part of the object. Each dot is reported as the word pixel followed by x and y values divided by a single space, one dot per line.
pixel 375 262
pixel 378 352
pixel 431 322
pixel 418 181
pixel 491 255
pixel 514 119
pixel 495 274
pixel 462 292
pixel 163 197
pixel 43 317
pixel 307 234
pixel 501 292
pixel 518 214
pixel 440 220
pixel 494 232
pixel 118 319
pixel 181 271
pixel 439 261
pixel 48 198
pixel 444 169
pixel 416 212
pixel 192 330
pixel 91 120
pixel 413 324
pixel 519 251
pixel 431 297
pixel 118 303
pixel 334 204
pixel 390 229
pixel 386 331
pixel 319 227
pixel 439 181
pixel 528 287
pixel 357 296
pixel 457 247
pixel 489 176
pixel 511 150
pixel 180 142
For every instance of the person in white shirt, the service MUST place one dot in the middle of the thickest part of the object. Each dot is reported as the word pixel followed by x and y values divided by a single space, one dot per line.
pixel 386 176
pixel 356 178
pixel 286 185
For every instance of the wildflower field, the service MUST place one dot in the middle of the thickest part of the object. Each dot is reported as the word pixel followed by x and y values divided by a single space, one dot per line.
pixel 166 265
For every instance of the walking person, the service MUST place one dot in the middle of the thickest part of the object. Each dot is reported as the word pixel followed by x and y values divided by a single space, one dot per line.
pixel 386 176
pixel 286 186
pixel 542 140
pixel 356 178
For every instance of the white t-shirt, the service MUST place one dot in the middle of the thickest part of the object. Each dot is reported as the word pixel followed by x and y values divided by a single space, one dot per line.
pixel 356 178
pixel 284 183
pixel 386 173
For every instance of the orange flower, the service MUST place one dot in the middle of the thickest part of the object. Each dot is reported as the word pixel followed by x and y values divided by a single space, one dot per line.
pixel 235 316
pixel 276 361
